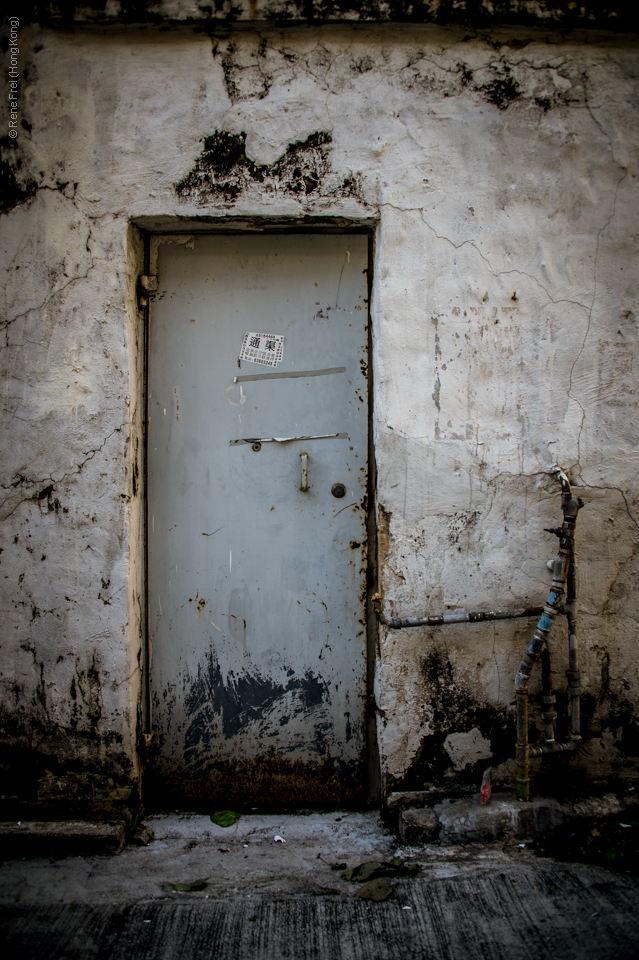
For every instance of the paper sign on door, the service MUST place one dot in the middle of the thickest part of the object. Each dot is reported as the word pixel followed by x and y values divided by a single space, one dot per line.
pixel 262 348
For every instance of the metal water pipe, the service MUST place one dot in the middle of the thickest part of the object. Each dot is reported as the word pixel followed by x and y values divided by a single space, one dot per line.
pixel 564 584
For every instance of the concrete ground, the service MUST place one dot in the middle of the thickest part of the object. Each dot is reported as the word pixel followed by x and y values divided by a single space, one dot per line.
pixel 258 897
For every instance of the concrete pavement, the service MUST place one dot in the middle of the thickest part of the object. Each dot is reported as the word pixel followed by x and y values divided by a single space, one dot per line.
pixel 257 897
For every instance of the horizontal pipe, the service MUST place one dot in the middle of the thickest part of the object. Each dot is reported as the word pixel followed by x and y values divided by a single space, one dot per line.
pixel 477 616
pixel 555 748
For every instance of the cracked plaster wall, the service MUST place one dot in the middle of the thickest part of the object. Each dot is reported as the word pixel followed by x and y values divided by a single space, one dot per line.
pixel 502 174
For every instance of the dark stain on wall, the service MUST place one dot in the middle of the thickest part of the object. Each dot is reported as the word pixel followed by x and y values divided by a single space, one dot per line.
pixel 236 73
pixel 612 710
pixel 453 709
pixel 558 14
pixel 502 90
pixel 223 170
pixel 272 781
pixel 383 533
pixel 60 770
pixel 16 186
pixel 470 13
pixel 51 771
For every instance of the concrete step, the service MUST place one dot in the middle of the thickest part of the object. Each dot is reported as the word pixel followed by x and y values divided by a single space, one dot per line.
pixel 63 838
pixel 503 818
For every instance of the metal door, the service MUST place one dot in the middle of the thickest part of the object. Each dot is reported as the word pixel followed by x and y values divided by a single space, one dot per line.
pixel 257 481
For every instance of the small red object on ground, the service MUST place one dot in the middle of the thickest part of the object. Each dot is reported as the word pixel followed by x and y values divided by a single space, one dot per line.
pixel 485 790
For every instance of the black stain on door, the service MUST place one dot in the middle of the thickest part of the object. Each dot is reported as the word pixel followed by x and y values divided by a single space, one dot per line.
pixel 248 701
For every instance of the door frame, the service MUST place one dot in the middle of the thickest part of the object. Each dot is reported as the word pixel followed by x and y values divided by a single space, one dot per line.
pixel 149 228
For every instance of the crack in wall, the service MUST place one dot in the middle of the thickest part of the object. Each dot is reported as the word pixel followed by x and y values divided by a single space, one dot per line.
pixel 594 294
pixel 91 220
pixel 36 495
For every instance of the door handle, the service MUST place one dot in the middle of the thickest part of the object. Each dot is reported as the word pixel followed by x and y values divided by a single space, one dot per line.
pixel 304 466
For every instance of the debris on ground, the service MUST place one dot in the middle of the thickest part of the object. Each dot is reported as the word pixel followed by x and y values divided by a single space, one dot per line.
pixel 387 868
pixel 139 834
pixel 194 887
pixel 363 872
pixel 278 839
pixel 377 890
pixel 325 891
pixel 333 865
pixel 225 818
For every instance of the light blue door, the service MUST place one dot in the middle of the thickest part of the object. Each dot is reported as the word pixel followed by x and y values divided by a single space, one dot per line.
pixel 257 483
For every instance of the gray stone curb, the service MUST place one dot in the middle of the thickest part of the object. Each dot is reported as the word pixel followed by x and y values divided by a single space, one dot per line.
pixel 503 818
pixel 60 838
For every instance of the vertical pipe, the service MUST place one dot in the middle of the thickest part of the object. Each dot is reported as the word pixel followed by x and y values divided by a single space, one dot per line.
pixel 548 698
pixel 570 508
pixel 573 673
pixel 522 778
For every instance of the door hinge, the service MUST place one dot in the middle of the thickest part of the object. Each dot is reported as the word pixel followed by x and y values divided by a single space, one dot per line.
pixel 146 285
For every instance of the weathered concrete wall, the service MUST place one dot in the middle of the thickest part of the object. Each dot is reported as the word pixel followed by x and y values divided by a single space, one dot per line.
pixel 477 14
pixel 502 174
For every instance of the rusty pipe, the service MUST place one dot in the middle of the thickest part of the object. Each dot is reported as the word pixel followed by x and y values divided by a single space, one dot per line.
pixel 548 698
pixel 554 748
pixel 442 620
pixel 522 776
pixel 570 506
pixel 562 568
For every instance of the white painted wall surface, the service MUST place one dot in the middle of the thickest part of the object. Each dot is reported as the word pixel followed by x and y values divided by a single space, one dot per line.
pixel 505 326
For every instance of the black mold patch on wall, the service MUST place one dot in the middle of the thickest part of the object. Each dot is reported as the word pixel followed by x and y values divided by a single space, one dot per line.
pixel 564 15
pixel 452 708
pixel 223 171
pixel 611 710
pixel 246 80
pixel 473 13
pixel 52 772
pixel 16 186
pixel 501 91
